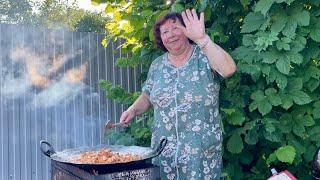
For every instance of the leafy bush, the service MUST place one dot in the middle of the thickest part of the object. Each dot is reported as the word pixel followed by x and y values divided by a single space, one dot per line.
pixel 271 107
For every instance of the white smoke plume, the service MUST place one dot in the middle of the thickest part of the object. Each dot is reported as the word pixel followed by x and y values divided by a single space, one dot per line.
pixel 29 70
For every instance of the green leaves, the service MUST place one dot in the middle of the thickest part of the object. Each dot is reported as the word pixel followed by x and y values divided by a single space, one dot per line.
pixel 252 136
pixel 295 58
pixel 301 17
pixel 236 118
pixel 117 93
pixel 273 97
pixel 286 154
pixel 313 72
pixel 283 44
pixel 252 22
pixel 269 124
pixel 177 7
pixel 265 40
pixel 281 79
pixel 127 62
pixel 315 31
pixel 314 134
pixel 316 110
pixel 217 34
pixel 297 17
pixel 235 144
pixel 260 102
pixel 298 44
pixel 279 21
pixel 108 9
pixel 290 28
pixel 270 56
pixel 263 6
pixel 299 121
pixel 283 65
pixel 287 101
pixel 273 75
pixel 265 101
pixel 147 12
pixel 249 68
pixel 300 97
pixel 245 54
pixel 201 5
pixel 294 84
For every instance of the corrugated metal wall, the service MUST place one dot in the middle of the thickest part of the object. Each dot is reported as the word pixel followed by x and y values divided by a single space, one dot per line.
pixel 49 90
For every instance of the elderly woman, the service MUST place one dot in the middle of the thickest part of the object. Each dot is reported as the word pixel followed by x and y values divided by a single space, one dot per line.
pixel 183 88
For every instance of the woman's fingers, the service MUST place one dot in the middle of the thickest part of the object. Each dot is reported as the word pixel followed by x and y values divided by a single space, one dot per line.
pixel 126 117
pixel 127 121
pixel 202 18
pixel 189 15
pixel 194 14
pixel 123 117
pixel 184 18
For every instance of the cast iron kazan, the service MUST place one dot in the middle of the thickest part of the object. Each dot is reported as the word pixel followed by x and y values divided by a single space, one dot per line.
pixel 65 156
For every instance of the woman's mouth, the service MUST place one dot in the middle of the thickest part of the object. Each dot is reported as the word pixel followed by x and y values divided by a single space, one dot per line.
pixel 174 41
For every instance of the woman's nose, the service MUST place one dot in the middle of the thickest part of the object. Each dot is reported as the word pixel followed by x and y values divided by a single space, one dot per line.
pixel 171 33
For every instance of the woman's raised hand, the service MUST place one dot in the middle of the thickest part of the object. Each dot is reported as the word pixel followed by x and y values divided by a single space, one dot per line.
pixel 195 29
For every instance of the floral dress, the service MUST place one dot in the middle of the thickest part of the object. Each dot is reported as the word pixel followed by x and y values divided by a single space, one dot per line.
pixel 186 112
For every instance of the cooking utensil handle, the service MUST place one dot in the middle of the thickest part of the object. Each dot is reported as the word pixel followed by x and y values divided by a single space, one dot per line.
pixel 48 152
pixel 161 146
pixel 118 125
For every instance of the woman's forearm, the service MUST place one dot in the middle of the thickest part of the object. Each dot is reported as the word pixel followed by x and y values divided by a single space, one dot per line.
pixel 141 105
pixel 219 59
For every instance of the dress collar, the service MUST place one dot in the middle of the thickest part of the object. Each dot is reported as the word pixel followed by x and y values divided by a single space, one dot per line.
pixel 168 63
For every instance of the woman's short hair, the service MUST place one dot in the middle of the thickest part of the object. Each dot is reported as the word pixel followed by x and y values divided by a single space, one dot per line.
pixel 156 28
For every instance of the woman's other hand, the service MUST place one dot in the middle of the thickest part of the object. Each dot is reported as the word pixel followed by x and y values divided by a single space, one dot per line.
pixel 140 106
pixel 127 116
pixel 195 29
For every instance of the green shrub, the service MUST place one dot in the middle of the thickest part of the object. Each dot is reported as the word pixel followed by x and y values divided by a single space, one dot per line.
pixel 271 106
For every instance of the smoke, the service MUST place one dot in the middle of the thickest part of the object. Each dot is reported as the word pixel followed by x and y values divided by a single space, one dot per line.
pixel 51 80
pixel 76 75
pixel 47 73
pixel 60 92
pixel 14 88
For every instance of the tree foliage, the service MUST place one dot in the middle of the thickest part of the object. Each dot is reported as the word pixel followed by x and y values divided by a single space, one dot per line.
pixel 56 14
pixel 52 14
pixel 270 107
pixel 15 11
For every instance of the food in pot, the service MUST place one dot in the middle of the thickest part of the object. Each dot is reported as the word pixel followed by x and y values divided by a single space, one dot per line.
pixel 104 156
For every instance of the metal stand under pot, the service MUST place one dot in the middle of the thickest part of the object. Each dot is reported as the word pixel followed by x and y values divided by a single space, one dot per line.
pixel 62 171
pixel 63 168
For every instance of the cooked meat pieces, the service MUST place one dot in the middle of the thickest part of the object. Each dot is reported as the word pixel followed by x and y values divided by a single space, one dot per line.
pixel 104 156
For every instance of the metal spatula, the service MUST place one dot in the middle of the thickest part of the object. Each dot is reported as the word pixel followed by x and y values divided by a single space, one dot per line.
pixel 110 125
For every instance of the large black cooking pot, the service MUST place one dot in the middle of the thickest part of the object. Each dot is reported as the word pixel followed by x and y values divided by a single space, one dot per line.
pixel 65 156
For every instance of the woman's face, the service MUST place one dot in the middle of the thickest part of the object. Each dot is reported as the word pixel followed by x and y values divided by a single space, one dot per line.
pixel 172 37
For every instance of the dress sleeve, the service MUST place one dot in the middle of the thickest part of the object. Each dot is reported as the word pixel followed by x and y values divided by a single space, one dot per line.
pixel 148 85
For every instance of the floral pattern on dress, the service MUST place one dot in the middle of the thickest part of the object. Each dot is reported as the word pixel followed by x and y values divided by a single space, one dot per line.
pixel 186 112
